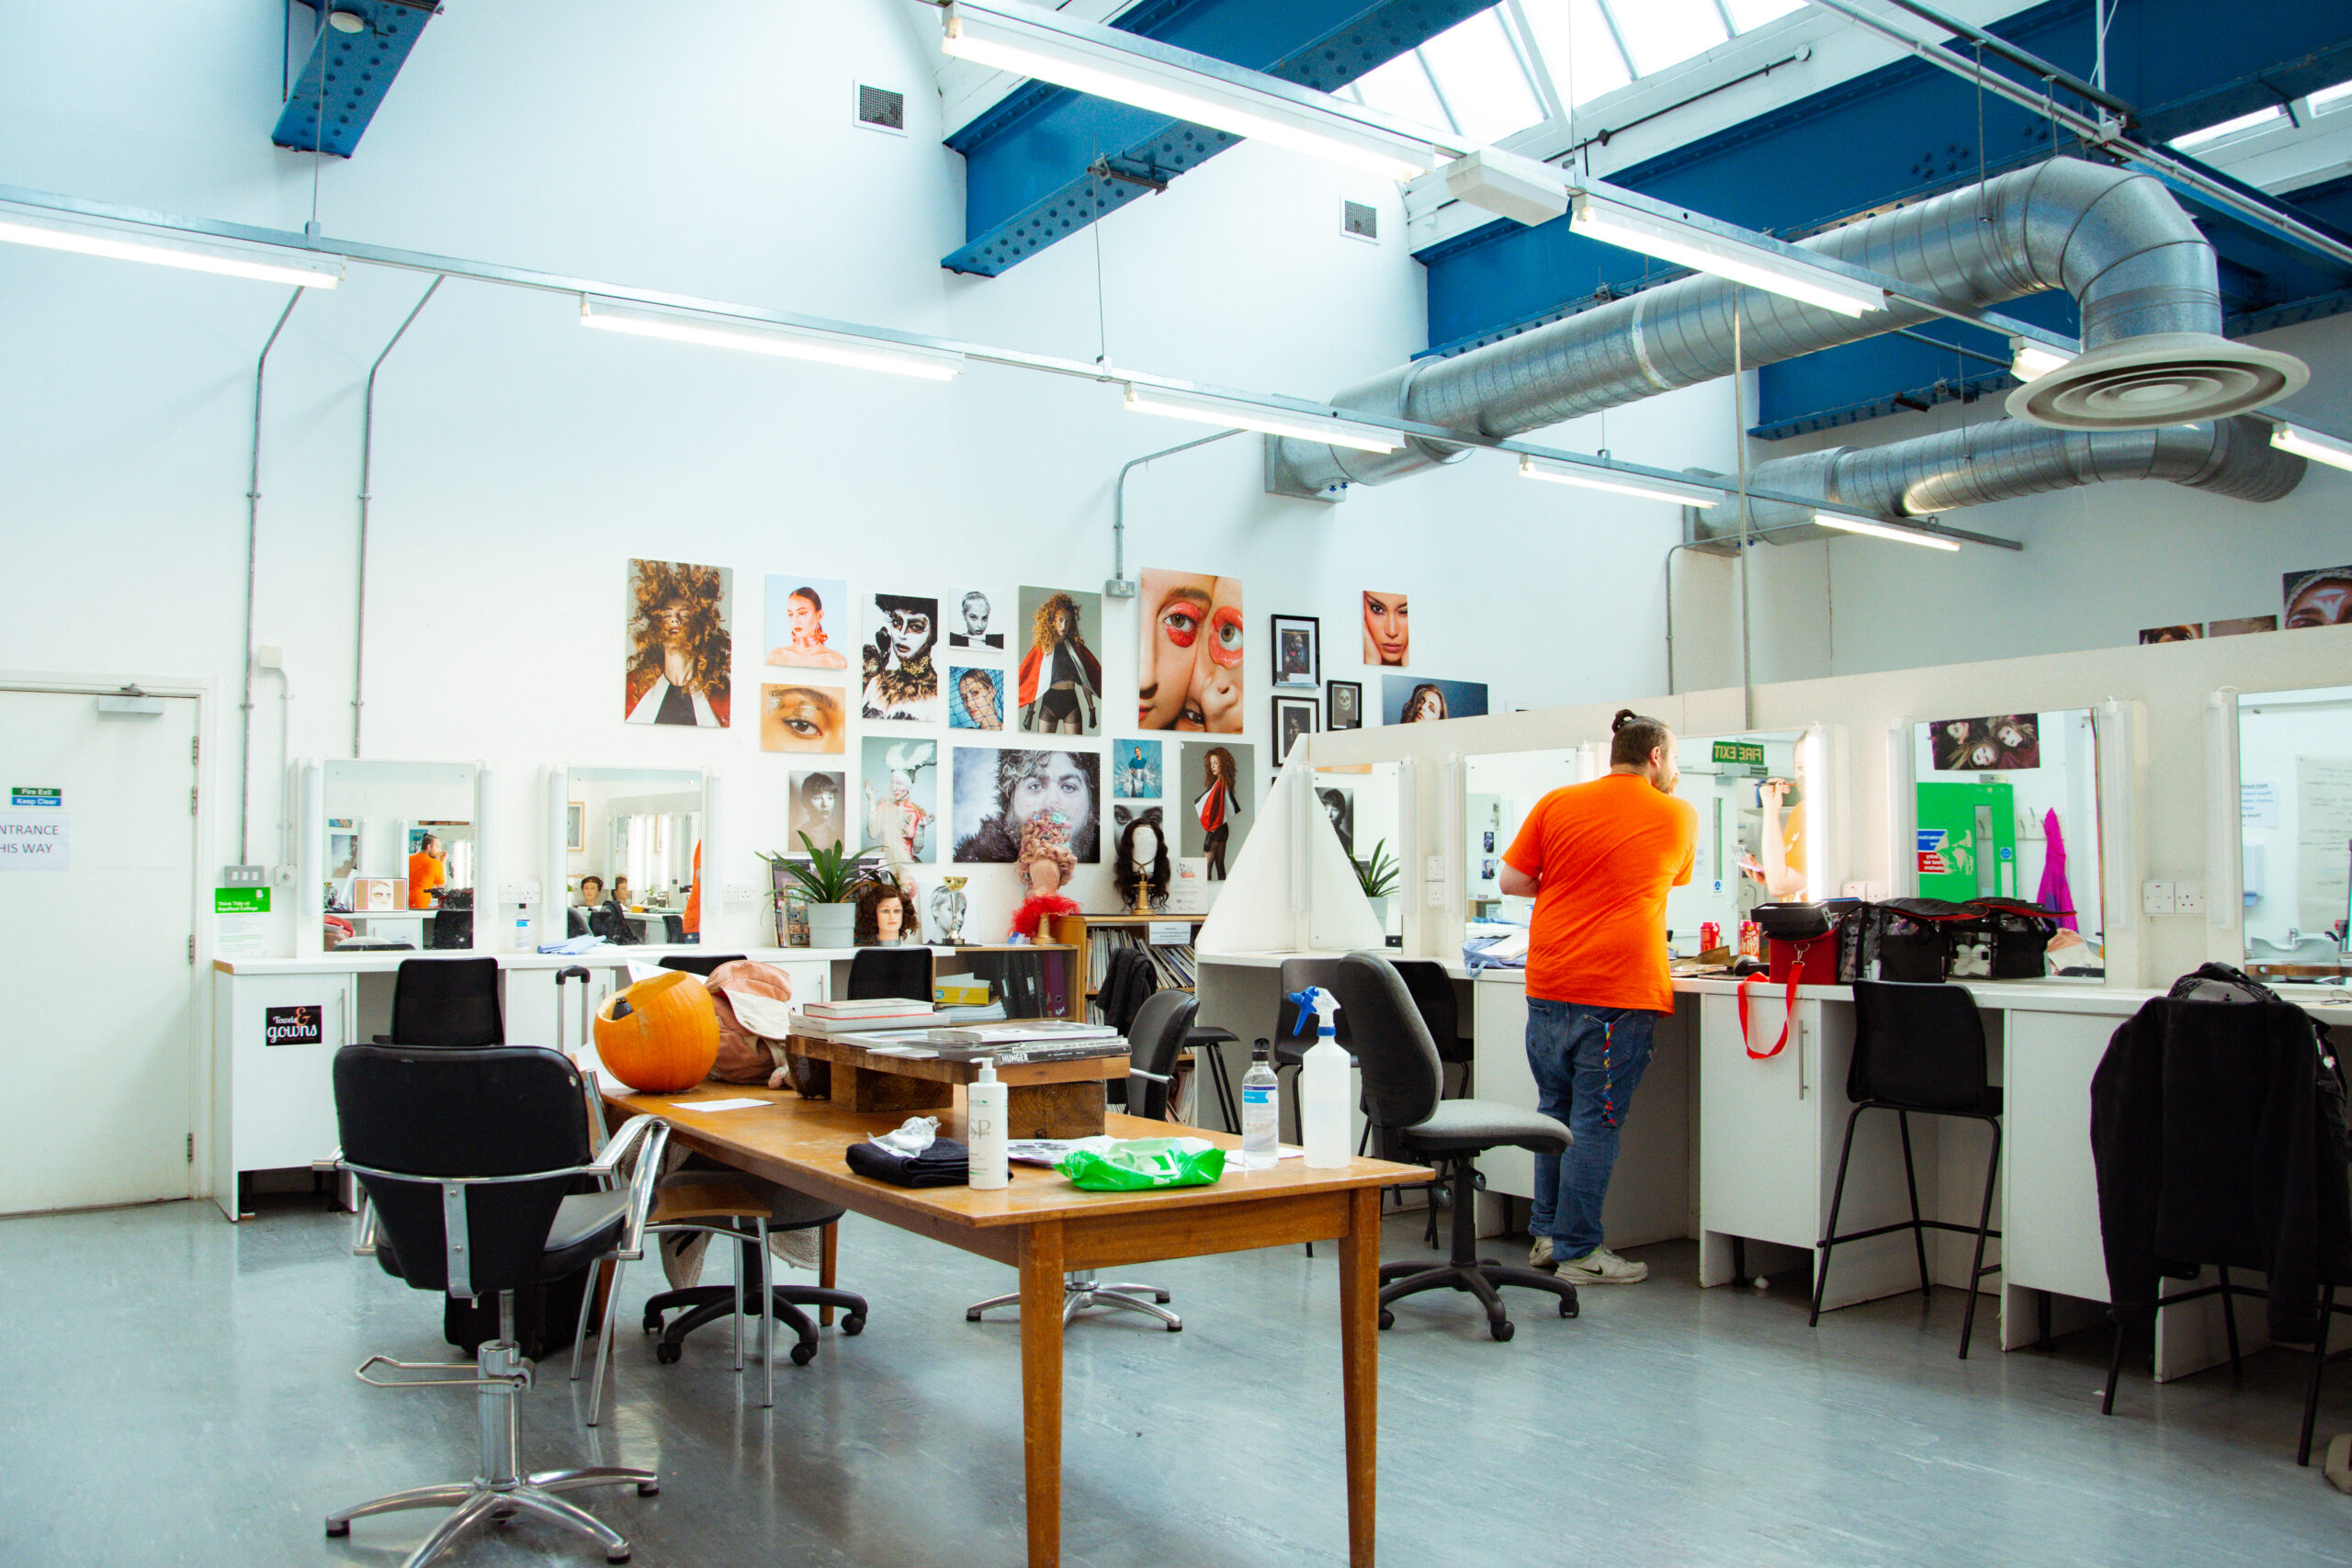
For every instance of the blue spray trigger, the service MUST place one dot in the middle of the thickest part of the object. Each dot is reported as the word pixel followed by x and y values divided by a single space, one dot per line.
pixel 1304 1005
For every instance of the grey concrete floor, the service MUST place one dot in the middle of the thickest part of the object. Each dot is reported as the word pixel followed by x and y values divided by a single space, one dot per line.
pixel 180 1392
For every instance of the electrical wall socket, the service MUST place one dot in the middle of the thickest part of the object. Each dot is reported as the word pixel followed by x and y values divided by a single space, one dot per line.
pixel 2155 898
pixel 1436 895
pixel 2188 897
pixel 522 895
pixel 1433 869
pixel 742 893
pixel 244 876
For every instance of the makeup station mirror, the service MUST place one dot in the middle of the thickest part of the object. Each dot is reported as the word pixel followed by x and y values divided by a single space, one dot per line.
pixel 1751 796
pixel 1361 802
pixel 1499 789
pixel 398 848
pixel 2295 804
pixel 629 837
pixel 2007 806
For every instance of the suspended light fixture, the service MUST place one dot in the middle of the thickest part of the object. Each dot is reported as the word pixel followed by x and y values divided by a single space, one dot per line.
pixel 2311 445
pixel 265 264
pixel 2031 361
pixel 750 336
pixel 1847 523
pixel 1684 242
pixel 1233 414
pixel 1129 68
pixel 1594 476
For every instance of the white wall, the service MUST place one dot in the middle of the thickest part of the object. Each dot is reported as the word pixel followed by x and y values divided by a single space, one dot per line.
pixel 519 462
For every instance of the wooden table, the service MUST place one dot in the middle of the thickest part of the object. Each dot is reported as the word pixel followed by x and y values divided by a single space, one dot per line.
pixel 1043 1226
pixel 1042 1099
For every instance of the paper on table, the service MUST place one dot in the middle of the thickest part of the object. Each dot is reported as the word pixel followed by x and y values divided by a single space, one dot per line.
pixel 640 970
pixel 715 1104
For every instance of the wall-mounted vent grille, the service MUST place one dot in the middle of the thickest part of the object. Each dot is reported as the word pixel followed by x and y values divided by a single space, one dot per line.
pixel 881 108
pixel 1360 219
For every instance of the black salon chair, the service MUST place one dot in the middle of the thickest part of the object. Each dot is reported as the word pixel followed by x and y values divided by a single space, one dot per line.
pixel 471 1161
pixel 446 1002
pixel 878 972
pixel 674 929
pixel 1162 1026
pixel 452 928
pixel 704 964
pixel 1918 1049
pixel 1402 1076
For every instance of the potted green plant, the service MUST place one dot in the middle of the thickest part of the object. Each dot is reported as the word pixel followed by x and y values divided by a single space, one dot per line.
pixel 830 878
pixel 1377 877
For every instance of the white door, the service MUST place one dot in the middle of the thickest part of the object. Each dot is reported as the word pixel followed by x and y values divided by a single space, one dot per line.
pixel 97 912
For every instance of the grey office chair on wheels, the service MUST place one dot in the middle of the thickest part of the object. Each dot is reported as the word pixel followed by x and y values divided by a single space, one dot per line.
pixel 1158 1034
pixel 469 1161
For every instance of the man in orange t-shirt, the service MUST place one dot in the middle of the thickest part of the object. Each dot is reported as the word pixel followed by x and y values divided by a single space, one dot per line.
pixel 426 871
pixel 1598 859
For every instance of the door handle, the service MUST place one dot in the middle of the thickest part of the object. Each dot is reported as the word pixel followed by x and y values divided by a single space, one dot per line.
pixel 1798 1027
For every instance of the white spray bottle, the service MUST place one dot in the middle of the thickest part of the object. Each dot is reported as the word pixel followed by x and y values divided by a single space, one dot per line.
pixel 1324 1080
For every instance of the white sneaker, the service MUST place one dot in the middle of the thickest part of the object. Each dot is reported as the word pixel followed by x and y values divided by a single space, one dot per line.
pixel 1602 1267
pixel 1538 1256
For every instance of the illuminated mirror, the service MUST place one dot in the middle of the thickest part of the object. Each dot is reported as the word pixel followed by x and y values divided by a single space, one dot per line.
pixel 2295 804
pixel 402 845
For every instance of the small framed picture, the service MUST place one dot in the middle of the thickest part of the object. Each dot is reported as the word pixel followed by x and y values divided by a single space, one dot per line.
pixel 575 816
pixel 1294 717
pixel 1298 651
pixel 1345 703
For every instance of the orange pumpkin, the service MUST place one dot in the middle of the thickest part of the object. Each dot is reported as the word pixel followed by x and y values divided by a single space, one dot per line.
pixel 661 1034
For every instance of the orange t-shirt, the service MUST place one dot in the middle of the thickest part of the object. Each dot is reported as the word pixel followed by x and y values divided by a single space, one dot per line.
pixel 424 874
pixel 693 921
pixel 1605 853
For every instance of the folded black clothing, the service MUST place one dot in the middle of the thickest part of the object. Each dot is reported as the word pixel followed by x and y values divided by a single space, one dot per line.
pixel 945 1164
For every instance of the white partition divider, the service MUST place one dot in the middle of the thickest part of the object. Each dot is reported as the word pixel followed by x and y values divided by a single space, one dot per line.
pixel 1902 810
pixel 308 902
pixel 1453 829
pixel 1411 926
pixel 549 921
pixel 2224 833
pixel 491 930
pixel 2121 852
pixel 1253 911
pixel 711 883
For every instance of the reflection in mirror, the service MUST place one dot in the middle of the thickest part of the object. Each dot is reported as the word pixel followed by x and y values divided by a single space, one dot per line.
pixel 630 871
pixel 2007 807
pixel 400 851
pixel 1751 848
pixel 1499 790
pixel 2295 801
pixel 1361 802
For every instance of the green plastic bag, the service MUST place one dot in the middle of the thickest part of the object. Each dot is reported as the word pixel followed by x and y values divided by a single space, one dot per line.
pixel 1135 1164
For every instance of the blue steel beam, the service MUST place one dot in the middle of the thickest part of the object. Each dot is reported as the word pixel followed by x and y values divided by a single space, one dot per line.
pixel 1027 161
pixel 1907 132
pixel 348 74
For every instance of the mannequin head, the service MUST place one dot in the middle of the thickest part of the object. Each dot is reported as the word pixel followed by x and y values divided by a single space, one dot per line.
pixel 886 915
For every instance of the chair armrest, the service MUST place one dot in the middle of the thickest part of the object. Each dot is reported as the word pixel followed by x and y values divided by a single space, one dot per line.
pixel 1155 1078
pixel 654 1134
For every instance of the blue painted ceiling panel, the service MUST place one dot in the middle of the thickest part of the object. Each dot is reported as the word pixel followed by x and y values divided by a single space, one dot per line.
pixel 1907 132
pixel 1027 161
pixel 340 87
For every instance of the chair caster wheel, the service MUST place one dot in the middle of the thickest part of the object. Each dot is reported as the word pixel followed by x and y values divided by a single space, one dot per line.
pixel 1387 1318
pixel 336 1531
pixel 648 1489
pixel 1502 1330
pixel 1571 1308
pixel 855 1324
pixel 803 1353
pixel 652 1323
pixel 1160 1296
pixel 971 1314
pixel 620 1556
pixel 1175 1329
pixel 667 1353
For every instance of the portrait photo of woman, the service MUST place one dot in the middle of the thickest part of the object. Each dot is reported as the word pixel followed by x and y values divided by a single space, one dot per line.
pixel 997 792
pixel 1404 700
pixel 796 610
pixel 901 681
pixel 1061 680
pixel 902 799
pixel 1188 676
pixel 2319 598
pixel 803 719
pixel 1388 630
pixel 1215 783
pixel 976 699
pixel 680 649
pixel 816 810
pixel 1426 703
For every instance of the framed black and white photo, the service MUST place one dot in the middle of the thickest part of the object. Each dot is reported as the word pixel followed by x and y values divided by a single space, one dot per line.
pixel 1298 651
pixel 1345 702
pixel 1294 717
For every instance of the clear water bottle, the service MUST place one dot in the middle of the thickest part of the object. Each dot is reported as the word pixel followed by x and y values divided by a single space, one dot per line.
pixel 1261 1113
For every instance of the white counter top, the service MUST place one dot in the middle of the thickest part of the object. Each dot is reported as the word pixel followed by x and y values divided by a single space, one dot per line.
pixel 385 961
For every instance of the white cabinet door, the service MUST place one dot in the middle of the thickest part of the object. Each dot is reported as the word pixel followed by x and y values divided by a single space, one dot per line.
pixel 284 1031
pixel 2050 1232
pixel 1498 1046
pixel 1760 1160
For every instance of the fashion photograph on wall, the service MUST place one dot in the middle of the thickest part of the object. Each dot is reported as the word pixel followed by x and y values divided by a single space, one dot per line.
pixel 2322 598
pixel 1343 705
pixel 1062 677
pixel 1340 808
pixel 1294 717
pixel 1298 651
pixel 1404 700
pixel 975 698
pixel 2002 742
pixel 680 644
pixel 2241 625
pixel 1136 770
pixel 899 787
pixel 901 681
pixel 816 800
pixel 1188 675
pixel 997 792
pixel 977 622
pixel 1215 785
pixel 806 617
pixel 1388 630
pixel 804 716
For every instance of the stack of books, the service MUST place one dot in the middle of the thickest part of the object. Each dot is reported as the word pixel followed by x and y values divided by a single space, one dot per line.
pixel 1027 1040
pixel 832 1018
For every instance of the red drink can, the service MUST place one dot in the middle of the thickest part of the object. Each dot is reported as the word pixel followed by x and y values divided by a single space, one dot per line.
pixel 1711 937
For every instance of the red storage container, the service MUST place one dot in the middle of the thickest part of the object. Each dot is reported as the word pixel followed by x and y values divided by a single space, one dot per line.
pixel 1814 960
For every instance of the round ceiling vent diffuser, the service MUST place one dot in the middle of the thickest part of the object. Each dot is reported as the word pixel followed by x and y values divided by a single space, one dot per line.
pixel 2142 383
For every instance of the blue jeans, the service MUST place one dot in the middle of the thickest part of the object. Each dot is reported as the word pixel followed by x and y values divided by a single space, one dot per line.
pixel 1587 1061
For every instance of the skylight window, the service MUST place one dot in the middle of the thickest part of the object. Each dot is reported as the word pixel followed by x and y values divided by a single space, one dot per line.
pixel 1580 48
pixel 1749 14
pixel 2213 133
pixel 1660 33
pixel 1402 88
pixel 1479 75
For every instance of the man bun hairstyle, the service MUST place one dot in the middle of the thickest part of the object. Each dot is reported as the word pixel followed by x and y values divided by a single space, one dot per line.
pixel 1635 737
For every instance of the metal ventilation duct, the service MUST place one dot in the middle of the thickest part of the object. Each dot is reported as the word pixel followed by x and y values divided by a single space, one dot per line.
pixel 2008 458
pixel 2116 240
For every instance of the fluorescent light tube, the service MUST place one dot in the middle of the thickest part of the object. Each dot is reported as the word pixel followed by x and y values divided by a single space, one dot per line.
pixel 2311 444
pixel 1232 416
pixel 2031 361
pixel 1850 524
pixel 1687 245
pixel 1648 489
pixel 1128 68
pixel 771 337
pixel 265 264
